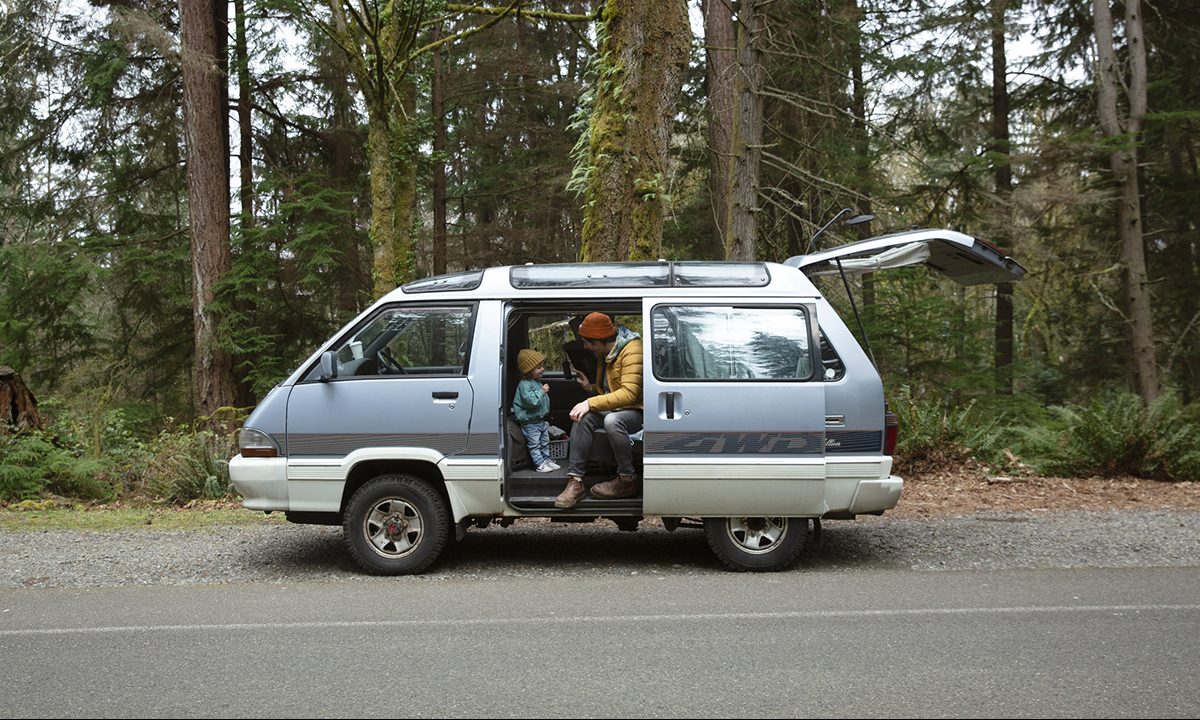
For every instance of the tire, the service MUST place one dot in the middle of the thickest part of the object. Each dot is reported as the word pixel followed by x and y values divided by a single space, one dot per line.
pixel 756 544
pixel 396 525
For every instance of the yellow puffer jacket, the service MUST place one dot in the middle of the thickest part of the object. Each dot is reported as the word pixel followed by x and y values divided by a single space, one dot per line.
pixel 624 380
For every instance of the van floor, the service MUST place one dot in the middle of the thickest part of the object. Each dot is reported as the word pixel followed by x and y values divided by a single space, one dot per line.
pixel 533 490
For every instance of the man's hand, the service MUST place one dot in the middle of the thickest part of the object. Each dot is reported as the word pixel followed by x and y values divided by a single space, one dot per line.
pixel 579 411
pixel 582 379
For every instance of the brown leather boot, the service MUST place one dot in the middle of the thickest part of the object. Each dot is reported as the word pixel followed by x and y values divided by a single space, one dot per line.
pixel 622 486
pixel 571 495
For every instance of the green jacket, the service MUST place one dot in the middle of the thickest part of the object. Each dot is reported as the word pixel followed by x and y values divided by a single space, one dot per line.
pixel 530 404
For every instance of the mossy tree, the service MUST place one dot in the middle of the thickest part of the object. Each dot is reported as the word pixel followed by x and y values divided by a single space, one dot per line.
pixel 644 46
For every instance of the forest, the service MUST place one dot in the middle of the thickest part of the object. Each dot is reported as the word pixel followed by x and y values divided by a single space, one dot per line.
pixel 195 194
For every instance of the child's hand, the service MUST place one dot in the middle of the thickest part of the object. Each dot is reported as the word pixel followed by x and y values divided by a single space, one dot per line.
pixel 545 388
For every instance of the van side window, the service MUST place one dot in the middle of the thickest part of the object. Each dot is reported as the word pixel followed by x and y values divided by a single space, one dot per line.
pixel 409 341
pixel 833 369
pixel 713 342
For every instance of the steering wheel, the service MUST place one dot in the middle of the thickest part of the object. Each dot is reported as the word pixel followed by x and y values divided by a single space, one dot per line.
pixel 388 362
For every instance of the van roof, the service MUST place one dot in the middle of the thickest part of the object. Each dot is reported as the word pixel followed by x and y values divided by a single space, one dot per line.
pixel 609 280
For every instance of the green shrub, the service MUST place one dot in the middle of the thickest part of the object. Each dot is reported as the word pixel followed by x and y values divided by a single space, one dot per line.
pixel 181 465
pixel 932 427
pixel 94 453
pixel 1118 434
pixel 32 464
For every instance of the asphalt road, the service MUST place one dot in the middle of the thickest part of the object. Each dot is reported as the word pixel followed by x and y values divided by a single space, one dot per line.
pixel 872 642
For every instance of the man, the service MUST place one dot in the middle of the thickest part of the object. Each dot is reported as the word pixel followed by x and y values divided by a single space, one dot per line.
pixel 616 404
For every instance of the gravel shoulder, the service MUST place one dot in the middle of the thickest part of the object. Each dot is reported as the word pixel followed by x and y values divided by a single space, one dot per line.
pixel 283 554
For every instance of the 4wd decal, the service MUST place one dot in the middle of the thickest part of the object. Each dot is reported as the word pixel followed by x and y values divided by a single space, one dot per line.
pixel 748 443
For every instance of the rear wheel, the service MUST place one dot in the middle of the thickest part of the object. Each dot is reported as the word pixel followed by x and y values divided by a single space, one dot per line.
pixel 396 525
pixel 756 544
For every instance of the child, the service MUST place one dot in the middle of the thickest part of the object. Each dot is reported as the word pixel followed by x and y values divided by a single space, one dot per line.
pixel 530 407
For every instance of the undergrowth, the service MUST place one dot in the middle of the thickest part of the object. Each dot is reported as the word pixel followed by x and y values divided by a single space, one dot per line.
pixel 106 456
pixel 1112 434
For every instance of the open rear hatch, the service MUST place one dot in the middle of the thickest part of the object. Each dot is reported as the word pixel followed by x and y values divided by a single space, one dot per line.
pixel 964 259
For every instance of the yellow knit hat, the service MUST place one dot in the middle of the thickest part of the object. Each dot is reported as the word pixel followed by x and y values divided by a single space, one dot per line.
pixel 528 360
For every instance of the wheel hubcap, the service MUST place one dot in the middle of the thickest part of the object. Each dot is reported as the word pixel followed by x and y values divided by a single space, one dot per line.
pixel 757 535
pixel 394 528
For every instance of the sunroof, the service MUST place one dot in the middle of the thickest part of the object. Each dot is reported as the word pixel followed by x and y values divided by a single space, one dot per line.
pixel 719 274
pixel 591 275
pixel 468 280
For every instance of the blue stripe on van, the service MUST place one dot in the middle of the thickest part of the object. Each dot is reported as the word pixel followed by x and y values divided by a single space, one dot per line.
pixel 342 444
pixel 736 443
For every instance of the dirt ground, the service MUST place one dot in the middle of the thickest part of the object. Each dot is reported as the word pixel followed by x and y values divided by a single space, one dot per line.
pixel 967 487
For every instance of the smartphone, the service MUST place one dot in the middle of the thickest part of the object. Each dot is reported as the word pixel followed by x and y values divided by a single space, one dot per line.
pixel 568 370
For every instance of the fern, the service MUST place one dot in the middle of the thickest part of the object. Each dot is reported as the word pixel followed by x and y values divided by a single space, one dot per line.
pixel 31 465
pixel 1118 434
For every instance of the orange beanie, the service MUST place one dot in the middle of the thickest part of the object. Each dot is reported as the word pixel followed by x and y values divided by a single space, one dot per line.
pixel 597 326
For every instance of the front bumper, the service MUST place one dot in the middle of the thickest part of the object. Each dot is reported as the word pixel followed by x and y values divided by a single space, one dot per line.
pixel 262 482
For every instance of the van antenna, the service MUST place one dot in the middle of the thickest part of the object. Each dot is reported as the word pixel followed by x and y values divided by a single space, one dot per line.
pixel 856 220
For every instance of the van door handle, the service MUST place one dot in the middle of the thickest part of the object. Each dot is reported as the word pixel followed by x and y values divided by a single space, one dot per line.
pixel 445 395
pixel 670 402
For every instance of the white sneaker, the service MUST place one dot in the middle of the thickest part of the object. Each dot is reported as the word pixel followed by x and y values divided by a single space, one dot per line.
pixel 553 465
pixel 545 467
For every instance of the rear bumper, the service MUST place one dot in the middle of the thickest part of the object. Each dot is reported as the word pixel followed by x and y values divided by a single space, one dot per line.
pixel 262 482
pixel 874 496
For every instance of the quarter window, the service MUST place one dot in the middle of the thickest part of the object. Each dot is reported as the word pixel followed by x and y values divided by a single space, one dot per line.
pixel 731 343
pixel 833 368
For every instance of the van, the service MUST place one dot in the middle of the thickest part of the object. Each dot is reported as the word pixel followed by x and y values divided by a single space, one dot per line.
pixel 763 415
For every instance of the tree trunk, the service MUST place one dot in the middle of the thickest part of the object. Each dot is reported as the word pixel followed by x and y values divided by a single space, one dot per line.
pixel 862 138
pixel 208 195
pixel 742 234
pixel 404 169
pixel 354 289
pixel 245 136
pixel 383 202
pixel 643 51
pixel 1003 356
pixel 1123 160
pixel 437 110
pixel 720 52
pixel 18 407
pixel 379 56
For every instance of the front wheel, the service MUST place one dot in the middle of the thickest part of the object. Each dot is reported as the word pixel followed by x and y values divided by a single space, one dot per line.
pixel 756 544
pixel 396 525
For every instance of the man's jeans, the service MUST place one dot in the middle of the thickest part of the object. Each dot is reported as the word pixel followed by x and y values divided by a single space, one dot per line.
pixel 537 438
pixel 618 425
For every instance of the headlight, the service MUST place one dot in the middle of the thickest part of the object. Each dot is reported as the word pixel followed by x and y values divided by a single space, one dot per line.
pixel 256 443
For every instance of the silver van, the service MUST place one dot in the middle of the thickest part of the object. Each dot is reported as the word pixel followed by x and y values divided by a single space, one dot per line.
pixel 762 413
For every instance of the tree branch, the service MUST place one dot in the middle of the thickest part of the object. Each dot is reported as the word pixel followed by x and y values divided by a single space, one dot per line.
pixel 501 14
pixel 539 14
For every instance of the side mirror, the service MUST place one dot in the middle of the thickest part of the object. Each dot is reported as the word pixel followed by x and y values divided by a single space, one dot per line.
pixel 329 366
